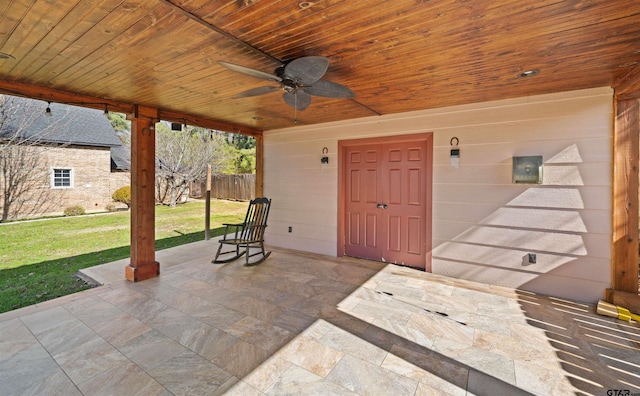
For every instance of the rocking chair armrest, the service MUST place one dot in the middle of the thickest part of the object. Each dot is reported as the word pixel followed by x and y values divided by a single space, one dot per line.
pixel 236 226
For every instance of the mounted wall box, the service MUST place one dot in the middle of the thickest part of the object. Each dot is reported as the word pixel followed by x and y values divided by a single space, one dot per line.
pixel 527 170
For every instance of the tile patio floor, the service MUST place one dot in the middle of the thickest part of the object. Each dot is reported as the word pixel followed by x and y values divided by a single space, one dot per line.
pixel 308 324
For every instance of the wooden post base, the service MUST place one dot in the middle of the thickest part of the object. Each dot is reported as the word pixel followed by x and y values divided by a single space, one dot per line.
pixel 629 301
pixel 142 272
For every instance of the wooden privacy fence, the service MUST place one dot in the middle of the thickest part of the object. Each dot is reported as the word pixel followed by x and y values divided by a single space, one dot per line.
pixel 236 187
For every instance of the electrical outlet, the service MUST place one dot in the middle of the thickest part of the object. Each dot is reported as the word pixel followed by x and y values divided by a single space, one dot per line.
pixel 290 229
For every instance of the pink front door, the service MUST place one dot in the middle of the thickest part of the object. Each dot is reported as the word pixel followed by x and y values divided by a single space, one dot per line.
pixel 387 200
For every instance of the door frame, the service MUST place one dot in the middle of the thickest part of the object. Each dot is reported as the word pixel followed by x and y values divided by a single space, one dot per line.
pixel 425 137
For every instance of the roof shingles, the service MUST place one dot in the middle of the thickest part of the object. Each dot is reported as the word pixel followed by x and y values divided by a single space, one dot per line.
pixel 66 125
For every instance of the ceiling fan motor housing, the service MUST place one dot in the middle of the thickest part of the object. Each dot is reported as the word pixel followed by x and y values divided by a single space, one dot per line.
pixel 289 85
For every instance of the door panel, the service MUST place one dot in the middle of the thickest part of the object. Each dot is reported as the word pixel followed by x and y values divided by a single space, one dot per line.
pixel 371 230
pixel 414 242
pixel 354 181
pixel 394 243
pixel 363 236
pixel 414 195
pixel 386 210
pixel 394 186
pixel 406 205
pixel 354 229
pixel 371 185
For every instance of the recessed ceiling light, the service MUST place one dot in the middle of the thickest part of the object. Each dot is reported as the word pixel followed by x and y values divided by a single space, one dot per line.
pixel 628 64
pixel 6 56
pixel 130 7
pixel 529 73
pixel 257 118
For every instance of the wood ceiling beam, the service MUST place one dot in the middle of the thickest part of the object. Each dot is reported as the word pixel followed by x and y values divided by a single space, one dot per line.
pixel 628 86
pixel 57 96
pixel 216 29
pixel 240 42
pixel 174 116
pixel 70 98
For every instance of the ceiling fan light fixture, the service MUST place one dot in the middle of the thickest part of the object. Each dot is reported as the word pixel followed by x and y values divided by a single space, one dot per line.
pixel 4 55
pixel 529 73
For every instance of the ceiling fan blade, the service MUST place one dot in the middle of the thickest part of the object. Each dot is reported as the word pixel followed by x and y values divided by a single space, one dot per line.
pixel 255 92
pixel 329 89
pixel 306 70
pixel 299 100
pixel 250 72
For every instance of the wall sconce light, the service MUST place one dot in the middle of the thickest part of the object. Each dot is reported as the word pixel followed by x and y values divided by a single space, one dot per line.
pixel 325 158
pixel 455 153
pixel 47 111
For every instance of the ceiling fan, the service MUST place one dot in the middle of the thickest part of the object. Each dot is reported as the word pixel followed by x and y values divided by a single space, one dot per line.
pixel 299 79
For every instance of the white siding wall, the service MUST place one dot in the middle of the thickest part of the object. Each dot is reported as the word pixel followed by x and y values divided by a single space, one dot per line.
pixel 483 225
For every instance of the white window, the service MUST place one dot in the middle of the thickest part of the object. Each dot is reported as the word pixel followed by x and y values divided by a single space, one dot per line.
pixel 61 178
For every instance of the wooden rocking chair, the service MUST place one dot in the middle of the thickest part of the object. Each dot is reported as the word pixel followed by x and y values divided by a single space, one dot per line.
pixel 246 235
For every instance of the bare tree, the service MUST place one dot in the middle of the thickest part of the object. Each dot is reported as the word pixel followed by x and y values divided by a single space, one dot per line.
pixel 25 133
pixel 182 158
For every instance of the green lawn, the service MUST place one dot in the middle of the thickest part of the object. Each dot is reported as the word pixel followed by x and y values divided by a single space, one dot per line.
pixel 38 259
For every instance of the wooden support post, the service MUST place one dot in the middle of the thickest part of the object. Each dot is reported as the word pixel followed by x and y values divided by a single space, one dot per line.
pixel 625 197
pixel 207 207
pixel 143 264
pixel 259 166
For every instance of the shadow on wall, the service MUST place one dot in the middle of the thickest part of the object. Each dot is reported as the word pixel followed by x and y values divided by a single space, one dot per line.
pixel 547 239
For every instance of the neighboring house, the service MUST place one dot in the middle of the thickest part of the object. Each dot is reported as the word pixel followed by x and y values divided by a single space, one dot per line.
pixel 86 160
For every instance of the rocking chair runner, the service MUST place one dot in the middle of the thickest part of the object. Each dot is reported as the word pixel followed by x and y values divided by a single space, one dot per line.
pixel 246 235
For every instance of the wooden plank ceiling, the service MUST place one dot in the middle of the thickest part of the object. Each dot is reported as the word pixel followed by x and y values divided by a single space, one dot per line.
pixel 397 56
